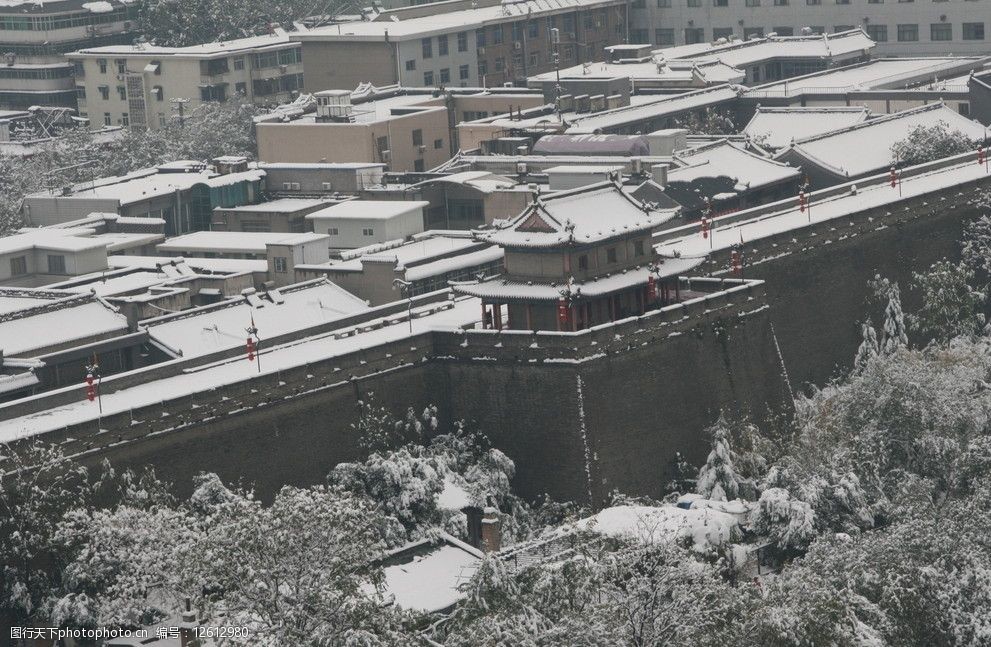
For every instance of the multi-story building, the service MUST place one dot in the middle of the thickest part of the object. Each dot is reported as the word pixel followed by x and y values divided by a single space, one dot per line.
pixel 915 27
pixel 143 86
pixel 35 36
pixel 461 42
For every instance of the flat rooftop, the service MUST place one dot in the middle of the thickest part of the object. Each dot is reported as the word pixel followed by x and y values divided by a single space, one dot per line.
pixel 234 241
pixel 281 205
pixel 369 209
pixel 821 46
pixel 278 40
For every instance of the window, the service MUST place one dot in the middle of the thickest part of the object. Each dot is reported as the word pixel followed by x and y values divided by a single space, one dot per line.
pixel 479 38
pixel 638 248
pixel 583 262
pixel 664 37
pixel 636 36
pixel 483 69
pixel 333 231
pixel 428 79
pixel 410 65
pixel 694 3
pixel 158 67
pixel 463 72
pixel 694 35
pixel 125 120
pixel 122 92
pixel 752 3
pixel 780 3
pixel 908 33
pixel 842 1
pixel 56 264
pixel 784 31
pixel 462 41
pixel 445 75
pixel 813 2
pixel 102 64
pixel 875 1
pixel 239 63
pixel 240 88
pixel 107 120
pixel 19 266
pixel 720 3
pixel 533 29
pixel 973 31
pixel 438 143
pixel 161 120
pixel 418 166
pixel 215 66
pixel 417 137
pixel 611 255
pixel 722 32
pixel 533 58
pixel 121 64
pixel 281 265
pixel 837 29
pixel 266 59
pixel 941 31
pixel 878 33
pixel 663 4
pixel 442 45
pixel 105 92
pixel 158 93
pixel 817 30
pixel 500 64
pixel 81 92
pixel 497 34
pixel 753 32
pixel 428 48
pixel 367 231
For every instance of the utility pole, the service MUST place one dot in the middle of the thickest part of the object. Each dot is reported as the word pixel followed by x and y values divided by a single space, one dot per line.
pixel 556 44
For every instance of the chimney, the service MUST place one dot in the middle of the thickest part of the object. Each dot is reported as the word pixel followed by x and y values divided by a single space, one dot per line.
pixel 187 637
pixel 491 531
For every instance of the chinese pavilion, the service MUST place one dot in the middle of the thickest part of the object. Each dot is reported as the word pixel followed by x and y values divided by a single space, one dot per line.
pixel 576 259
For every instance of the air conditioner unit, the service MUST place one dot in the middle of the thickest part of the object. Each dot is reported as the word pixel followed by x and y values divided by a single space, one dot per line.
pixel 481 51
pixel 598 23
pixel 283 68
pixel 572 36
pixel 386 155
pixel 121 77
pixel 286 186
pixel 326 186
pixel 295 186
pixel 421 148
pixel 517 45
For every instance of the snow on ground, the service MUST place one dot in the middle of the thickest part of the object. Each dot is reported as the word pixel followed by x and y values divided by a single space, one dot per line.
pixel 705 527
pixel 430 581
pixel 195 380
pixel 791 218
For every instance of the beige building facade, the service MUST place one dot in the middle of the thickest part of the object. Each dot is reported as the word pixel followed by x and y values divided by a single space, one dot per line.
pixel 143 86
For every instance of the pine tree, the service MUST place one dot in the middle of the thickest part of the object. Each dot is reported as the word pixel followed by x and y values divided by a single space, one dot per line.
pixel 868 348
pixel 894 336
pixel 718 480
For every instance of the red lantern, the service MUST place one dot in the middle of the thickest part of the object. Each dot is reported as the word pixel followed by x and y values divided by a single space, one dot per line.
pixel 801 201
pixel 981 155
pixel 893 176
pixel 736 262
pixel 251 349
pixel 90 388
pixel 562 311
pixel 651 288
pixel 705 227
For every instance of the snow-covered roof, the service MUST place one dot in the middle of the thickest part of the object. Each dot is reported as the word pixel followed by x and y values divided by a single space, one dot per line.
pixel 219 326
pixel 58 323
pixel 483 181
pixel 504 290
pixel 278 40
pixel 777 127
pixel 866 147
pixel 368 210
pixel 233 242
pixel 429 577
pixel 452 21
pixel 150 183
pixel 595 144
pixel 703 528
pixel 36 7
pixel 660 72
pixel 198 265
pixel 115 285
pixel 820 46
pixel 14 299
pixel 583 216
pixel 328 166
pixel 885 73
pixel 652 109
pixel 280 205
pixel 725 158
pixel 56 240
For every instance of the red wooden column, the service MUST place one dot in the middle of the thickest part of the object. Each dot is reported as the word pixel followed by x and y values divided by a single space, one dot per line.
pixel 497 315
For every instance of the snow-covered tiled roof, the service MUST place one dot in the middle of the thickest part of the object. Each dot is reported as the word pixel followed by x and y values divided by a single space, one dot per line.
pixel 448 22
pixel 502 289
pixel 724 158
pixel 820 46
pixel 587 215
pixel 216 327
pixel 278 39
pixel 777 127
pixel 672 72
pixel 234 241
pixel 866 147
pixel 429 576
pixel 653 109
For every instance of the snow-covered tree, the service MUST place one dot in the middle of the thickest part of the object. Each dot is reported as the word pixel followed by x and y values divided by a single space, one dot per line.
pixel 930 143
pixel 869 347
pixel 976 248
pixel 893 335
pixel 180 23
pixel 951 307
pixel 718 480
pixel 788 523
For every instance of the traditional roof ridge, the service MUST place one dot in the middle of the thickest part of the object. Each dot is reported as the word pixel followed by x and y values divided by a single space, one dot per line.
pixel 882 119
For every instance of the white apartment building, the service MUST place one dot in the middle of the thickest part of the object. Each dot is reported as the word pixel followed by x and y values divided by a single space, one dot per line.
pixel 35 36
pixel 144 86
pixel 900 27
